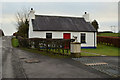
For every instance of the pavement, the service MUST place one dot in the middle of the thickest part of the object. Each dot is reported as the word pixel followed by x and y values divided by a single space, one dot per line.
pixel 17 64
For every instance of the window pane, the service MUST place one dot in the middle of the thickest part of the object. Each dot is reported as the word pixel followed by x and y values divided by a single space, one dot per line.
pixel 83 38
pixel 49 35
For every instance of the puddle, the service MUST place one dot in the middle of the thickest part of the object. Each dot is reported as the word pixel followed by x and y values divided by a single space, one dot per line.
pixel 22 58
pixel 32 61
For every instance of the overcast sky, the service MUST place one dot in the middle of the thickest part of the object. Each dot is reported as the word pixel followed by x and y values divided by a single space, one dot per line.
pixel 106 13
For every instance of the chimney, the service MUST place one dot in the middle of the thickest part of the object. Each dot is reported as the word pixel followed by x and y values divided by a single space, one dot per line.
pixel 32 14
pixel 86 17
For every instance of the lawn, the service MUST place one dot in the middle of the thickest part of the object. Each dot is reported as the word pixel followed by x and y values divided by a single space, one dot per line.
pixel 103 50
pixel 109 34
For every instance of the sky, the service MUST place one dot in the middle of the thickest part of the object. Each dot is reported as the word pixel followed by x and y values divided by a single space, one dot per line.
pixel 106 13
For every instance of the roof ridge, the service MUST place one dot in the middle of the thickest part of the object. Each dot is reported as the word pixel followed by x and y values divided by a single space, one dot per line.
pixel 60 16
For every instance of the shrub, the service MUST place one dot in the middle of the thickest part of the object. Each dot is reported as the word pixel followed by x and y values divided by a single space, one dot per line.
pixel 15 42
pixel 24 42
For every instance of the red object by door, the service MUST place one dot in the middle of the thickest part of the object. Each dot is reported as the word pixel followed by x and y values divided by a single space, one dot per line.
pixel 66 36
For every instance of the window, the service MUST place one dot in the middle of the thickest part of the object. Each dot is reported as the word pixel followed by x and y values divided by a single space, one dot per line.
pixel 49 35
pixel 83 35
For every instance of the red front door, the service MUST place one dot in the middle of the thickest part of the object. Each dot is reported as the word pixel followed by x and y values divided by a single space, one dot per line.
pixel 66 36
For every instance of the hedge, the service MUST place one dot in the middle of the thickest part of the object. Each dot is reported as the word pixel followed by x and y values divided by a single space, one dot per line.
pixel 46 44
pixel 115 41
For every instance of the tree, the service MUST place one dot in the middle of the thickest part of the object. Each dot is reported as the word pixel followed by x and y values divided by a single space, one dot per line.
pixel 1 33
pixel 95 24
pixel 22 24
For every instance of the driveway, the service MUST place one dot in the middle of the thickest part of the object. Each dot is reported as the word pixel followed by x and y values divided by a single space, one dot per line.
pixel 17 64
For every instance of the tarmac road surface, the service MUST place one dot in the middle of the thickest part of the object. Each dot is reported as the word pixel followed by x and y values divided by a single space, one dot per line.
pixel 14 65
pixel 10 68
pixel 0 57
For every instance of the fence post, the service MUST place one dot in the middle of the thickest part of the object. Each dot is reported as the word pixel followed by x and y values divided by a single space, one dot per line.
pixel 47 45
pixel 63 44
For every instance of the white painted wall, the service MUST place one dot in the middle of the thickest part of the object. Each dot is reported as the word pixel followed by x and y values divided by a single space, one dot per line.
pixel 89 39
pixel 59 35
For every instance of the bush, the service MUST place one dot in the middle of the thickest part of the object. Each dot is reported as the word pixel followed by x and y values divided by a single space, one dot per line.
pixel 24 42
pixel 15 42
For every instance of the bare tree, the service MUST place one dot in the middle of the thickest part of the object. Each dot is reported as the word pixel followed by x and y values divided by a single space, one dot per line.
pixel 21 16
pixel 22 23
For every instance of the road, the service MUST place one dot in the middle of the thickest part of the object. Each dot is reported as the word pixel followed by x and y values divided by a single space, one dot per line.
pixel 14 65
pixel 7 68
pixel 10 68
pixel 0 57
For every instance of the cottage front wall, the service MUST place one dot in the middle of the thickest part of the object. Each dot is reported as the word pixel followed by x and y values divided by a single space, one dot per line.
pixel 90 40
pixel 57 35
pixel 90 36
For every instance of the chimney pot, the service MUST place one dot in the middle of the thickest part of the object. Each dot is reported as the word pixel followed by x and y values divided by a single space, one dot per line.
pixel 31 14
pixel 31 8
pixel 86 16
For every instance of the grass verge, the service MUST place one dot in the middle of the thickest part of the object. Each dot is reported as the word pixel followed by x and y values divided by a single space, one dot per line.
pixel 45 53
pixel 54 55
pixel 103 50
pixel 88 54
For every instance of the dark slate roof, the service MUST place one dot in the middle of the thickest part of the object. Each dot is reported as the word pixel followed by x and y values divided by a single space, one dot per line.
pixel 60 23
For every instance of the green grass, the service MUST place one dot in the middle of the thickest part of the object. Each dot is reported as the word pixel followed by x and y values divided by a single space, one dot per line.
pixel 54 55
pixel 15 42
pixel 87 54
pixel 109 34
pixel 45 53
pixel 103 50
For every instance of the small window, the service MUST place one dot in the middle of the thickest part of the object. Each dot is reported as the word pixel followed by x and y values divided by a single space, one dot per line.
pixel 83 35
pixel 49 35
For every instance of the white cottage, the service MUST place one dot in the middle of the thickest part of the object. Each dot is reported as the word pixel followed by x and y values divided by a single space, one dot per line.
pixel 60 27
